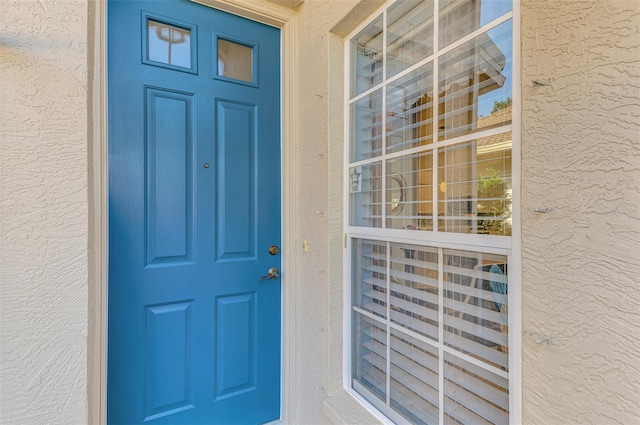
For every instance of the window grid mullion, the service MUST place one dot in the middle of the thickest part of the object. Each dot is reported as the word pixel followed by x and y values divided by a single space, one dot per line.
pixel 384 198
pixel 440 144
pixel 388 321
pixel 366 93
pixel 435 208
pixel 383 110
pixel 441 335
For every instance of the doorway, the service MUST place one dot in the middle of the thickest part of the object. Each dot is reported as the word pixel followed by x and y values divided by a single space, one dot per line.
pixel 194 207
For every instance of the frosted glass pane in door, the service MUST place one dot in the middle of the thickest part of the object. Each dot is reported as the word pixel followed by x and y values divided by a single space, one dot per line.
pixel 235 60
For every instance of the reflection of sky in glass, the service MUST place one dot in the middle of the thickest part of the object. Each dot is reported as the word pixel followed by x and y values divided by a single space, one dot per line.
pixel 492 9
pixel 459 18
pixel 502 38
pixel 169 44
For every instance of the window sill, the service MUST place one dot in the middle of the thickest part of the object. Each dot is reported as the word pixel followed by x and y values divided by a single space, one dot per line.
pixel 342 409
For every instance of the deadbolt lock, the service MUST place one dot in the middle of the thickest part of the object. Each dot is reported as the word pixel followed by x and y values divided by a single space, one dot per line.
pixel 274 250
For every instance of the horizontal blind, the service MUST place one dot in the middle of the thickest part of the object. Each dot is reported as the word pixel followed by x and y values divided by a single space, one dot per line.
pixel 396 326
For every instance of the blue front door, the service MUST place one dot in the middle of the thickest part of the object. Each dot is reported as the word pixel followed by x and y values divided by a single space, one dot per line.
pixel 194 216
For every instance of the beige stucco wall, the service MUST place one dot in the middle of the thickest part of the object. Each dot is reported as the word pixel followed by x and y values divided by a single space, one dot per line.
pixel 581 261
pixel 44 211
pixel 318 364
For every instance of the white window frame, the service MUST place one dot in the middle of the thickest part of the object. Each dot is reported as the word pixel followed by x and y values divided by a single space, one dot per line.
pixel 509 246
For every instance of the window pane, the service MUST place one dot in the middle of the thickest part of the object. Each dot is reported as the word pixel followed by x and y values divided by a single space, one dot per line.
pixel 168 44
pixel 410 110
pixel 475 84
pixel 473 395
pixel 369 367
pixel 475 305
pixel 409 34
pixel 410 192
pixel 369 276
pixel 414 379
pixel 366 58
pixel 235 60
pixel 461 17
pixel 366 127
pixel 475 186
pixel 414 288
pixel 366 195
pixel 494 189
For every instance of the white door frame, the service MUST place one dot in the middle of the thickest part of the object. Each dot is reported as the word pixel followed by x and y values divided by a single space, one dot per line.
pixel 257 10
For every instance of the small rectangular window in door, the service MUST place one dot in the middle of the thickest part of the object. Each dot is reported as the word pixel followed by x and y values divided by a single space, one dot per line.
pixel 169 44
pixel 236 61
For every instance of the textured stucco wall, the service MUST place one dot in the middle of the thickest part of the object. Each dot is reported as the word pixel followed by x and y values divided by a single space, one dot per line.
pixel 44 212
pixel 318 397
pixel 581 261
pixel 317 86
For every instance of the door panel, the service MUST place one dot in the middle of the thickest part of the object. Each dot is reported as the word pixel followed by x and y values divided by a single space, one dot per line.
pixel 194 204
pixel 237 170
pixel 235 345
pixel 167 331
pixel 169 186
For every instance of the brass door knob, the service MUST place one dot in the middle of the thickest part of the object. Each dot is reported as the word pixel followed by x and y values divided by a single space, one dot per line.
pixel 273 273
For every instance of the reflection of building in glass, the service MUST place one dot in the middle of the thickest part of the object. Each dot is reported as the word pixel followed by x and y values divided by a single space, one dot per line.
pixel 493 174
pixel 473 176
pixel 169 44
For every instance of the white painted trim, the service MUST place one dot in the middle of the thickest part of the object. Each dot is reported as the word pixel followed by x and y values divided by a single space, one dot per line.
pixel 375 406
pixel 346 260
pixel 515 260
pixel 97 338
pixel 289 117
pixel 267 13
pixel 439 345
pixel 367 92
pixel 383 208
pixel 435 158
pixel 463 241
pixel 270 14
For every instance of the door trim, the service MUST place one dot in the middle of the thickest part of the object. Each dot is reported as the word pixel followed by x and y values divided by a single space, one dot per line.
pixel 256 10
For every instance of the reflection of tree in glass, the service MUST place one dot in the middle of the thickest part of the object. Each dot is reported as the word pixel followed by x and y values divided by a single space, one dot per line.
pixel 492 200
pixel 499 105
